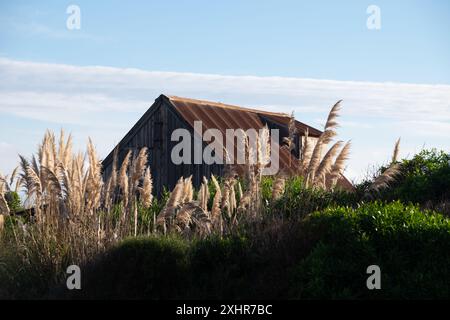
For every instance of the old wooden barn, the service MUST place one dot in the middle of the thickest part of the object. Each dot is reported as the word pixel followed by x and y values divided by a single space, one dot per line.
pixel 155 127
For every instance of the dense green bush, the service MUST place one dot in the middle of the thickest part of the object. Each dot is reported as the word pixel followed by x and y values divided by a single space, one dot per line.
pixel 13 200
pixel 426 177
pixel 411 247
pixel 424 180
pixel 298 200
pixel 324 256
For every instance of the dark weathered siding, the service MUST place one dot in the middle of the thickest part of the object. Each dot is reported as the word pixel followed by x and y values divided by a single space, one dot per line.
pixel 154 131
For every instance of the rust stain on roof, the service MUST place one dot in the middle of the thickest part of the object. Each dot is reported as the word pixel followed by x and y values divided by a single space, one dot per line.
pixel 215 115
pixel 225 116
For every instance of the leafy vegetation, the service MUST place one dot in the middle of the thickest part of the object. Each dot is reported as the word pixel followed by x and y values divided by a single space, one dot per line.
pixel 322 257
pixel 294 235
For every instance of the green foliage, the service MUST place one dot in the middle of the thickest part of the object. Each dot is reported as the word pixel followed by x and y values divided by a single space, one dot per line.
pixel 325 256
pixel 411 247
pixel 299 201
pixel 154 268
pixel 424 180
pixel 426 177
pixel 13 200
pixel 34 276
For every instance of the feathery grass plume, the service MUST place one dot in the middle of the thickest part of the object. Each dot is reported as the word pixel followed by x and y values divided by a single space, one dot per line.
pixel 168 212
pixel 200 222
pixel 325 165
pixel 64 154
pixel 2 221
pixel 183 218
pixel 333 115
pixel 177 194
pixel 4 209
pixel 26 179
pixel 229 196
pixel 390 174
pixel 94 179
pixel 289 141
pixel 396 151
pixel 112 181
pixel 146 190
pixel 305 154
pixel 36 187
pixel 52 182
pixel 323 140
pixel 245 202
pixel 77 185
pixel 216 184
pixel 278 187
pixel 233 201
pixel 203 195
pixel 383 180
pixel 339 164
pixel 188 190
pixel 13 176
pixel 137 171
pixel 123 178
pixel 216 214
pixel 200 194
pixel 138 168
pixel 263 147
pixel 2 184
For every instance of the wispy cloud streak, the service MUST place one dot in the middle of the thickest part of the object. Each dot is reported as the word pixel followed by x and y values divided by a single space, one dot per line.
pixel 106 98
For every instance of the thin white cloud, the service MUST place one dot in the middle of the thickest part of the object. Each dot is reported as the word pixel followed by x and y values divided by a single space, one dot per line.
pixel 106 98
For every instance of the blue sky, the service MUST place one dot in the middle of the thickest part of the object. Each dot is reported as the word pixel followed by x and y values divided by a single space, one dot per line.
pixel 312 39
pixel 283 44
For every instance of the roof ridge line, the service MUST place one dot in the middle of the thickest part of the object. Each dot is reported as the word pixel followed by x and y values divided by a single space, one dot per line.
pixel 226 106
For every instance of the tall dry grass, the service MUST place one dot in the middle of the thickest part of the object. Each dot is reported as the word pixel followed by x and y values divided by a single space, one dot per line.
pixel 77 211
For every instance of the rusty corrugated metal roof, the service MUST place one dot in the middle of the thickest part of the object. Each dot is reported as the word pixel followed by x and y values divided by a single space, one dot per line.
pixel 223 116
pixel 215 115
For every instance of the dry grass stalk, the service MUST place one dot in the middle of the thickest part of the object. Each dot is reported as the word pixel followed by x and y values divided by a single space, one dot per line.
pixel 123 178
pixel 305 153
pixel 4 209
pixel 165 217
pixel 216 213
pixel 188 190
pixel 278 187
pixel 2 222
pixel 147 188
pixel 324 139
pixel 384 179
pixel 396 151
pixel 389 175
pixel 325 165
pixel 339 164
pixel 203 195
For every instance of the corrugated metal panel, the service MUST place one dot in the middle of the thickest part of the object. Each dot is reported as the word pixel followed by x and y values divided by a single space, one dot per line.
pixel 221 116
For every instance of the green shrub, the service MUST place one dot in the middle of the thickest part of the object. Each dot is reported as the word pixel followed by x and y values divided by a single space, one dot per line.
pixel 411 247
pixel 297 200
pixel 424 180
pixel 13 200
pixel 152 268
pixel 324 255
